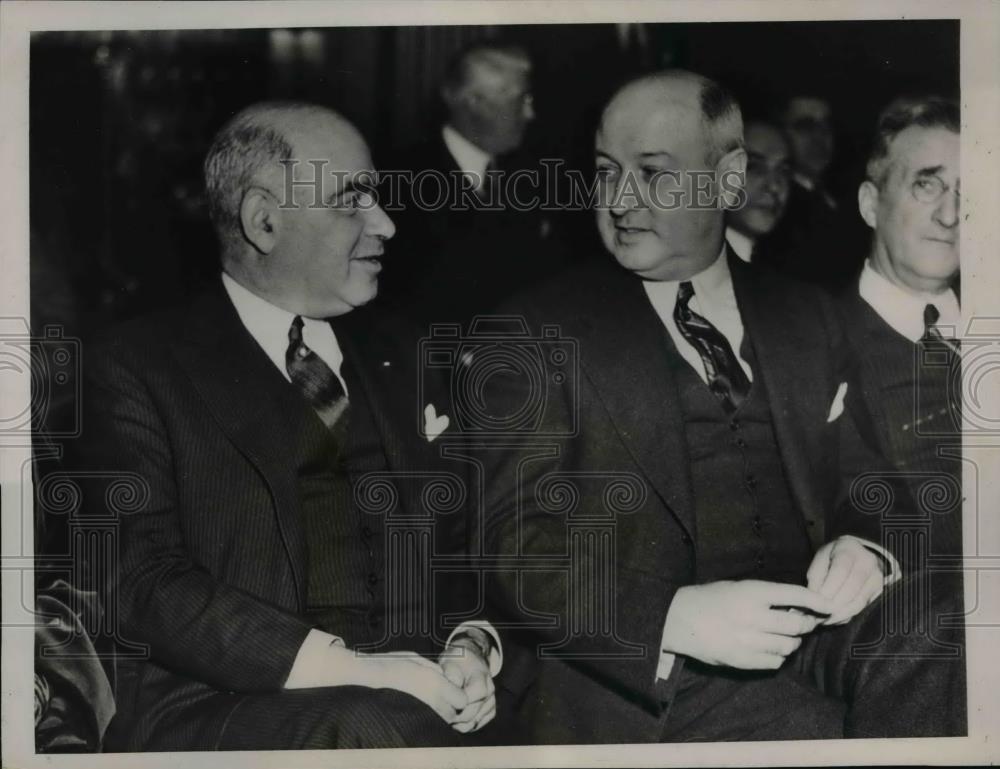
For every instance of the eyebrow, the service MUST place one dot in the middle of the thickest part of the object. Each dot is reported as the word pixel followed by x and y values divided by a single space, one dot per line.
pixel 656 154
pixel 930 171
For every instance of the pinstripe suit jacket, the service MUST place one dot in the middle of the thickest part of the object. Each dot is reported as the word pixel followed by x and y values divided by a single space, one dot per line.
pixel 212 569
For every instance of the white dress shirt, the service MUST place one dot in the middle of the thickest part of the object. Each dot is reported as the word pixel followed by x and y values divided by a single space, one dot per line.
pixel 470 159
pixel 269 325
pixel 742 244
pixel 715 300
pixel 903 309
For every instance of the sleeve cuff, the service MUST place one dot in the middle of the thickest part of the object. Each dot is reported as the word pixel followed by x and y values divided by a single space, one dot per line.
pixel 495 657
pixel 891 571
pixel 307 670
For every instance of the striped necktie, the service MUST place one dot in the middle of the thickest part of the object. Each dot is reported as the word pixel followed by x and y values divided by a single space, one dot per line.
pixel 726 377
pixel 316 381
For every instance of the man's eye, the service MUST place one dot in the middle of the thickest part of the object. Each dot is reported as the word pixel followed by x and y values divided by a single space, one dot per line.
pixel 606 172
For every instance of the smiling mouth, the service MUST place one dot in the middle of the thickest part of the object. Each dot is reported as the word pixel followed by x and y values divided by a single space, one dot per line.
pixel 945 241
pixel 630 230
pixel 375 260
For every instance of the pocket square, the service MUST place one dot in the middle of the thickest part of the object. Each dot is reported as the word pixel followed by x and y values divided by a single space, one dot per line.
pixel 434 425
pixel 837 407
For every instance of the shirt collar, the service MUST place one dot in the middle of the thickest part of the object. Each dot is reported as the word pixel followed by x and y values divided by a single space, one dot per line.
pixel 903 310
pixel 470 158
pixel 267 323
pixel 742 243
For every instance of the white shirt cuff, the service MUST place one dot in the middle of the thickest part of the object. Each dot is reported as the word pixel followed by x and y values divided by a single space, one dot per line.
pixel 312 660
pixel 894 571
pixel 496 652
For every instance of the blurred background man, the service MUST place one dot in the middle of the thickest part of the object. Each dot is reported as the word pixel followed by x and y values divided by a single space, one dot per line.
pixel 463 253
pixel 768 179
pixel 814 242
pixel 903 314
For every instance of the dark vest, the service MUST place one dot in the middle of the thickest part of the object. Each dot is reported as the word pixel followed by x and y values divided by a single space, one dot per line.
pixel 747 523
pixel 349 574
pixel 919 411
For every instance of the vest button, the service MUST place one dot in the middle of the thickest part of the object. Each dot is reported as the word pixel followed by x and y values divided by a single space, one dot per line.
pixel 740 442
pixel 685 539
pixel 751 481
pixel 760 562
pixel 756 524
pixel 373 579
pixel 734 424
pixel 366 532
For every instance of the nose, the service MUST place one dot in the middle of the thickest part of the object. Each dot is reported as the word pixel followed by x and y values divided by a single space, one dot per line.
pixel 378 223
pixel 624 197
pixel 947 210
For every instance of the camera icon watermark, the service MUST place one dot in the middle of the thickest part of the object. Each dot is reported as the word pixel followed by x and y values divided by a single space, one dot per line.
pixel 52 362
pixel 502 380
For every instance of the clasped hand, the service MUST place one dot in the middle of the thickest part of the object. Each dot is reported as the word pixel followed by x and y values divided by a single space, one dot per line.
pixel 755 625
pixel 458 687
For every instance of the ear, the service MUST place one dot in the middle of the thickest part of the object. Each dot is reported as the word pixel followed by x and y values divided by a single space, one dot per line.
pixel 260 219
pixel 868 202
pixel 731 175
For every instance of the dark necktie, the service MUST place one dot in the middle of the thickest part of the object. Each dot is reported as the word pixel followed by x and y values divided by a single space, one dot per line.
pixel 932 333
pixel 726 377
pixel 316 381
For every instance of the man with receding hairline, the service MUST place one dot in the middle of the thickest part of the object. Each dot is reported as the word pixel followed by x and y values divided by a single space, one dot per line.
pixel 470 223
pixel 724 601
pixel 259 577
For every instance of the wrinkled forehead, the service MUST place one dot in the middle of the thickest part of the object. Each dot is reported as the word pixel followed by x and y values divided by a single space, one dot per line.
pixel 330 143
pixel 633 126
pixel 918 150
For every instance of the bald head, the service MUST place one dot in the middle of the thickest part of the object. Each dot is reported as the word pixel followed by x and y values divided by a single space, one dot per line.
pixel 249 150
pixel 669 162
pixel 703 109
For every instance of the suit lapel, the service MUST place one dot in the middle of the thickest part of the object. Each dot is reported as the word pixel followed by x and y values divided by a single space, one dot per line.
pixel 388 381
pixel 240 385
pixel 796 381
pixel 623 353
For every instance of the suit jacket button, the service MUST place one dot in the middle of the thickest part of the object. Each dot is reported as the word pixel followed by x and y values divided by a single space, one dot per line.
pixel 373 579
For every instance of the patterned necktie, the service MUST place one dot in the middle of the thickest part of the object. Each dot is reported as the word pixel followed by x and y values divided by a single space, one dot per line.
pixel 726 377
pixel 316 381
pixel 932 333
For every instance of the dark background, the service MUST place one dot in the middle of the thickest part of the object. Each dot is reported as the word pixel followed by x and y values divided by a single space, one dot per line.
pixel 120 121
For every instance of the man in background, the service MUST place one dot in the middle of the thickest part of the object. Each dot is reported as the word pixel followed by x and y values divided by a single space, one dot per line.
pixel 903 314
pixel 469 235
pixel 816 241
pixel 768 178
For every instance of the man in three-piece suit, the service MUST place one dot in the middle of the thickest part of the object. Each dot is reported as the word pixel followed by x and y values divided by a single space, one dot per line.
pixel 470 229
pixel 712 426
pixel 270 424
pixel 903 315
